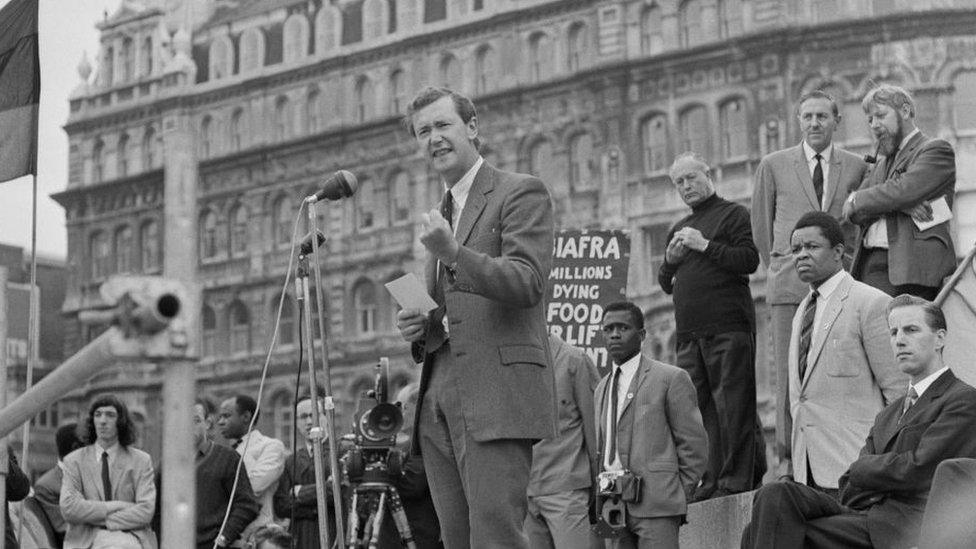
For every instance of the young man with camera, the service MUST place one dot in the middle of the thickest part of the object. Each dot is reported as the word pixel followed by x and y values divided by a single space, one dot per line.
pixel 653 445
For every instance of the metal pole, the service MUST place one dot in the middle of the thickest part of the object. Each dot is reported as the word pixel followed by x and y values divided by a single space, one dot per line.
pixel 4 466
pixel 329 400
pixel 302 294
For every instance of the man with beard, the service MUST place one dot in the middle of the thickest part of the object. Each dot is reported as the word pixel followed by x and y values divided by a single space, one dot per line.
pixel 893 253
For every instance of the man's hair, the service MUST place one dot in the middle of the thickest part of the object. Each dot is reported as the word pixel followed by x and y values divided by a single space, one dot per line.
pixel 127 431
pixel 828 225
pixel 67 440
pixel 306 395
pixel 893 96
pixel 209 408
pixel 274 533
pixel 244 403
pixel 697 157
pixel 818 94
pixel 462 105
pixel 627 306
pixel 934 316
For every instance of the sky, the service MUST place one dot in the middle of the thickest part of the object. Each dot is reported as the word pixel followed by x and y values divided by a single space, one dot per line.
pixel 67 30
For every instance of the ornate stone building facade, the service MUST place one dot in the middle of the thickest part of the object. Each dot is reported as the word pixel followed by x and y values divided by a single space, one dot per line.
pixel 241 108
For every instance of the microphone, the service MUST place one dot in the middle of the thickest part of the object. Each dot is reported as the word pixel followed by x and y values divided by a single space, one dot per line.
pixel 305 247
pixel 341 184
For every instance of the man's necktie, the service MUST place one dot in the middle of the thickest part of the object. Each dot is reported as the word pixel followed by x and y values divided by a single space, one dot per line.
pixel 806 333
pixel 447 209
pixel 910 400
pixel 106 479
pixel 612 410
pixel 818 180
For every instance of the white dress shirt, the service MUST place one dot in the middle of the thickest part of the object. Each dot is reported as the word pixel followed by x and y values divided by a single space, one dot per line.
pixel 877 235
pixel 825 155
pixel 459 192
pixel 927 381
pixel 627 371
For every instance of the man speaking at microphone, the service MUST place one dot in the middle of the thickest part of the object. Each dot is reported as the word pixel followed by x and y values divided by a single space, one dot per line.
pixel 486 387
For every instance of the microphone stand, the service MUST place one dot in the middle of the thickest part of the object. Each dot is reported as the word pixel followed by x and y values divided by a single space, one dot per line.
pixel 329 400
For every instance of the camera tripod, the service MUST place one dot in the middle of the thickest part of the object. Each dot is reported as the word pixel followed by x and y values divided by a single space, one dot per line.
pixel 375 499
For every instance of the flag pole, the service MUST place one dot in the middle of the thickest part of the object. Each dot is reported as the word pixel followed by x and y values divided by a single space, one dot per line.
pixel 956 276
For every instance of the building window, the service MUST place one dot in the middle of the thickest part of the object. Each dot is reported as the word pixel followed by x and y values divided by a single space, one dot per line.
pixel 364 99
pixel 206 136
pixel 729 18
pixel 352 23
pixel 655 244
pixel 123 250
pixel 128 60
pixel 652 39
pixel 284 417
pixel 209 323
pixel 540 57
pixel 147 56
pixel 149 149
pixel 325 29
pixel 964 100
pixel 654 143
pixel 282 221
pixel 122 155
pixel 295 38
pixel 485 68
pixel 313 111
pixel 770 136
pixel 98 159
pixel 580 162
pixel 694 131
pixel 221 52
pixel 149 246
pixel 402 198
pixel 542 165
pixel 107 68
pixel 398 101
pixel 364 303
pixel 240 328
pixel 238 230
pixel 101 254
pixel 690 24
pixel 282 119
pixel 235 129
pixel 286 327
pixel 252 50
pixel 478 5
pixel 365 203
pixel 735 136
pixel 435 10
pixel 450 72
pixel 577 47
pixel 208 235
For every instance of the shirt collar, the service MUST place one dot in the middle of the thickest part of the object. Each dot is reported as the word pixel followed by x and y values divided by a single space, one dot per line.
pixel 809 153
pixel 630 366
pixel 112 450
pixel 925 383
pixel 460 189
pixel 904 140
pixel 828 286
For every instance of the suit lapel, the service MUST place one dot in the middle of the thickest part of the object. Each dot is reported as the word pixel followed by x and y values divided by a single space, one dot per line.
pixel 484 183
pixel 904 154
pixel 642 367
pixel 803 176
pixel 832 310
pixel 118 468
pixel 896 422
pixel 601 419
pixel 833 180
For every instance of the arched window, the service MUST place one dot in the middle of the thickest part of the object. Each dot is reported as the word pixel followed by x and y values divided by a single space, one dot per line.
pixel 769 136
pixel 402 198
pixel 435 10
pixel 576 48
pixel 208 235
pixel 236 136
pixel 654 143
pixel 364 99
pixel 735 135
pixel 98 166
pixel 690 23
pixel 123 250
pixel 652 38
pixel 252 50
pixel 694 130
pixel 282 118
pixel 240 328
pixel 282 410
pixel 149 246
pixel 206 136
pixel 325 29
pixel 286 328
pixel 122 155
pixel 128 60
pixel 450 71
pixel 221 58
pixel 282 221
pixel 365 204
pixel 542 165
pixel 540 57
pixel 729 18
pixel 580 162
pixel 107 68
pixel 352 23
pixel 964 100
pixel 149 149
pixel 101 254
pixel 486 63
pixel 208 323
pixel 364 303
pixel 238 230
pixel 313 111
pixel 295 38
pixel 146 56
pixel 398 99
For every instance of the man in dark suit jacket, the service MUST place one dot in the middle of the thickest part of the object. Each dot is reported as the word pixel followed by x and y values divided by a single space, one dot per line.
pixel 892 253
pixel 883 493
pixel 486 388
pixel 648 423
pixel 47 489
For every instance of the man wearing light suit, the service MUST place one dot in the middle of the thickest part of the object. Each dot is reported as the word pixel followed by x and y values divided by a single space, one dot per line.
pixel 892 253
pixel 486 388
pixel 789 184
pixel 648 423
pixel 884 491
pixel 842 370
pixel 108 495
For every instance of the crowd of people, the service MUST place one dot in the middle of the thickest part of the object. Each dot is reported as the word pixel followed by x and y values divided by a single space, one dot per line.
pixel 514 441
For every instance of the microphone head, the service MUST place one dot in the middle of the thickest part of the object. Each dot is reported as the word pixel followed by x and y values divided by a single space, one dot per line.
pixel 345 185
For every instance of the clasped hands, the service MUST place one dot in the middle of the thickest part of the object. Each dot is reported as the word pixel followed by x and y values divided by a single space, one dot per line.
pixel 684 240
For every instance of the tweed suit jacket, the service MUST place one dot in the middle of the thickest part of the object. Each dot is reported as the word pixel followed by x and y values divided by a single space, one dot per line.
pixel 660 436
pixel 850 377
pixel 893 474
pixel 495 305
pixel 923 170
pixel 782 192
pixel 83 501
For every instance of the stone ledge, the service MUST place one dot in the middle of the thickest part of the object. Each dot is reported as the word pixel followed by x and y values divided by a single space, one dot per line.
pixel 717 523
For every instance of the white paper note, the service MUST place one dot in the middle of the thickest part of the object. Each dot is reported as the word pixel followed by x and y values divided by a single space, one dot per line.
pixel 940 214
pixel 410 293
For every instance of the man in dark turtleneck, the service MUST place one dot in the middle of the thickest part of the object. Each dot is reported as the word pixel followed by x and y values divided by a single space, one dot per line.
pixel 707 264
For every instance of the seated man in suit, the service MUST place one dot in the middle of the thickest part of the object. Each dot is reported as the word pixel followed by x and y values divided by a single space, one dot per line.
pixel 883 493
pixel 648 423
pixel 108 495
pixel 47 489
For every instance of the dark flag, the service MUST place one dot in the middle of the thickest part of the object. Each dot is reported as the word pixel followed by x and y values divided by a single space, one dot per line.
pixel 20 89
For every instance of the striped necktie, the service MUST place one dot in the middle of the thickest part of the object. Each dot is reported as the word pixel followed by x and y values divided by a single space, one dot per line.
pixel 806 333
pixel 910 399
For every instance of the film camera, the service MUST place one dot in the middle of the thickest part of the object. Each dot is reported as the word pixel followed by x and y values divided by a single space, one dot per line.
pixel 373 465
pixel 615 489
